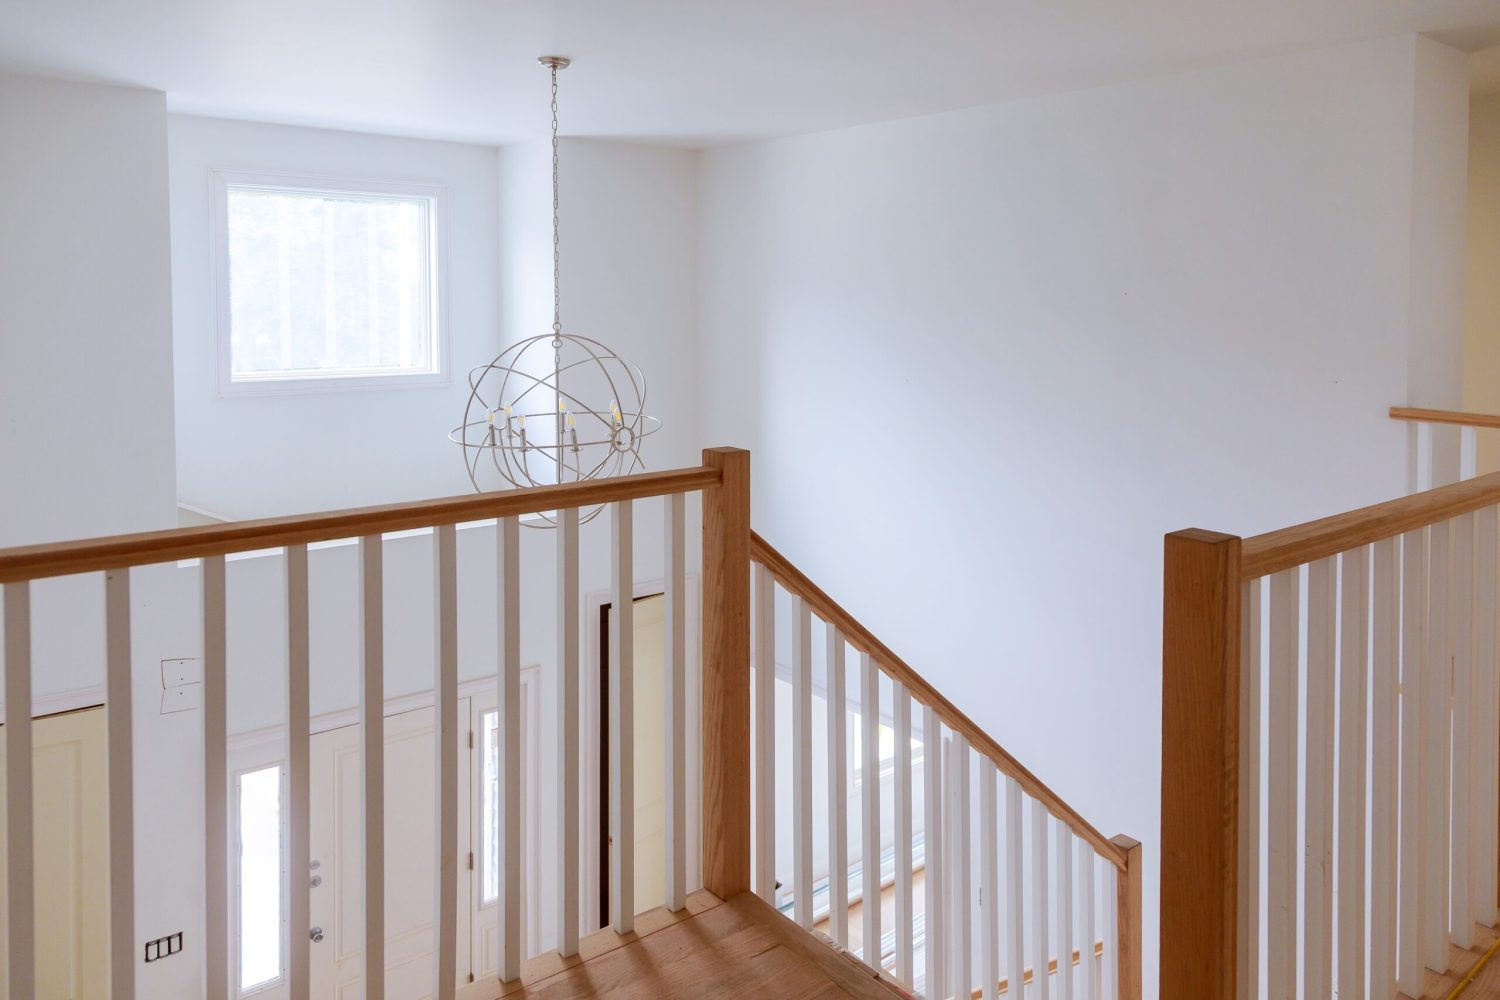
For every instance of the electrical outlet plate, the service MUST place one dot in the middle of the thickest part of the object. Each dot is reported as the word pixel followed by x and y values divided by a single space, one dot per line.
pixel 183 670
pixel 163 946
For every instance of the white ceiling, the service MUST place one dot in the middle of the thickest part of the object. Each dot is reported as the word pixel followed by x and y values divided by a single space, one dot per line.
pixel 691 72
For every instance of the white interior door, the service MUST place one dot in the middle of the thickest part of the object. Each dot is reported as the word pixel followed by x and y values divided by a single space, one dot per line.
pixel 410 832
pixel 71 814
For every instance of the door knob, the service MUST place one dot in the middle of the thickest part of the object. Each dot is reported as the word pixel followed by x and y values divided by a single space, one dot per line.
pixel 316 934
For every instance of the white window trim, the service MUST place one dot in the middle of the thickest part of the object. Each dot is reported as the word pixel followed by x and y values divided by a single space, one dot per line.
pixel 222 178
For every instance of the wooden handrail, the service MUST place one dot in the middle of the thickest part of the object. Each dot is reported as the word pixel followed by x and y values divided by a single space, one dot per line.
pixel 1284 548
pixel 829 610
pixel 1458 417
pixel 33 562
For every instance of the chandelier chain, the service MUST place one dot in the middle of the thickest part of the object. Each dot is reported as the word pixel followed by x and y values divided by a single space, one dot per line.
pixel 573 436
pixel 556 237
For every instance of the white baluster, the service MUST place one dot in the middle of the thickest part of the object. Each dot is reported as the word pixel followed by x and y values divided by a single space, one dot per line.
pixel 622 720
pixel 765 734
pixel 1041 948
pixel 117 700
pixel 299 785
pixel 445 575
pixel 802 821
pixel 674 557
pixel 905 921
pixel 934 898
pixel 568 758
pixel 1385 652
pixel 511 770
pixel 1413 607
pixel 1110 970
pixel 989 887
pixel 1251 744
pixel 838 789
pixel 869 795
pixel 1088 972
pixel 1015 889
pixel 1468 451
pixel 1064 854
pixel 1486 768
pixel 19 826
pixel 960 935
pixel 1354 665
pixel 372 755
pixel 1317 929
pixel 1282 782
pixel 216 784
pixel 1425 472
pixel 1437 739
pixel 1461 907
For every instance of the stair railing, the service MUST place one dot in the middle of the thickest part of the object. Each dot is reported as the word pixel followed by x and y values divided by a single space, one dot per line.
pixel 723 480
pixel 1033 853
pixel 1326 686
pixel 1428 439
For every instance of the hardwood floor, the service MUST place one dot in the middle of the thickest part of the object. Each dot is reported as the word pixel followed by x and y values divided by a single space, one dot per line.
pixel 735 949
pixel 1486 985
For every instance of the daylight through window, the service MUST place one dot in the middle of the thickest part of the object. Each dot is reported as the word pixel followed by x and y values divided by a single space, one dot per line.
pixel 329 284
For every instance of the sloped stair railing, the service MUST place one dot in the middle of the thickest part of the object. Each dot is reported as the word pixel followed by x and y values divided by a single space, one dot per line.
pixel 999 849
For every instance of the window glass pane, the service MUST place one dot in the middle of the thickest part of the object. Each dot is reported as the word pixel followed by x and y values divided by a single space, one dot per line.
pixel 324 284
pixel 260 876
pixel 490 830
pixel 886 742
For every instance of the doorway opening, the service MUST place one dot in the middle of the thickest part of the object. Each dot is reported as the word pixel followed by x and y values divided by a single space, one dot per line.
pixel 650 754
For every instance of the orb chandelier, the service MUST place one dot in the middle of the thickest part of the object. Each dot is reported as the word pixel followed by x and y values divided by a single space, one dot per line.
pixel 558 407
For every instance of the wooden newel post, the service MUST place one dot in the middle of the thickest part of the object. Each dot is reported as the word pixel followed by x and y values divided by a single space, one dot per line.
pixel 1200 765
pixel 726 674
pixel 1128 918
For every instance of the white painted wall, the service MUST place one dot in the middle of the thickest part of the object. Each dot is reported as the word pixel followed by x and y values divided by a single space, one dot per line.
pixel 85 321
pixel 1482 291
pixel 250 456
pixel 629 236
pixel 1003 350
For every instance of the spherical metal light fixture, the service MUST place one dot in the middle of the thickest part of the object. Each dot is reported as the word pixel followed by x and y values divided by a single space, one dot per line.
pixel 536 414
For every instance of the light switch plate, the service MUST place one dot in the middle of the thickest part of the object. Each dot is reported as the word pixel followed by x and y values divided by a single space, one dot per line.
pixel 184 670
pixel 182 698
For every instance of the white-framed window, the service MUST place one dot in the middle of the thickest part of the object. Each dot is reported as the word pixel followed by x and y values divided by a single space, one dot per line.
pixel 327 283
pixel 259 916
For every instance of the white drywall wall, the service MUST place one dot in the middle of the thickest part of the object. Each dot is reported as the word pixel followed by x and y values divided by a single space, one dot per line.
pixel 986 359
pixel 85 312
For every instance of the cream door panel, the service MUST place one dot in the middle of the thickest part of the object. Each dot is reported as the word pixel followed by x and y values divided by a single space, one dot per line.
pixel 72 862
pixel 650 755
pixel 410 829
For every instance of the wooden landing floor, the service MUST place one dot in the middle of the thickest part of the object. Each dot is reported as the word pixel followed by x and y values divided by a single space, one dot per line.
pixel 1485 986
pixel 738 949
